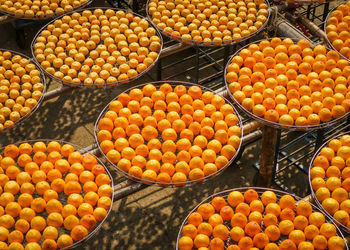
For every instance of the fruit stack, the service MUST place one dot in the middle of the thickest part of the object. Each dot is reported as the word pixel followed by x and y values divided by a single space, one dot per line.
pixel 21 87
pixel 257 218
pixel 51 195
pixel 330 179
pixel 295 85
pixel 40 9
pixel 337 29
pixel 97 47
pixel 209 22
pixel 169 133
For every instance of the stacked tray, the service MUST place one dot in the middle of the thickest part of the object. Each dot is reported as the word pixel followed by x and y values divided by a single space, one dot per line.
pixel 53 194
pixel 169 133
pixel 97 47
pixel 329 179
pixel 209 23
pixel 258 218
pixel 22 86
pixel 289 84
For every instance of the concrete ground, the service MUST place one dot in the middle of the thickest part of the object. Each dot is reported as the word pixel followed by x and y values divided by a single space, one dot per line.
pixel 148 219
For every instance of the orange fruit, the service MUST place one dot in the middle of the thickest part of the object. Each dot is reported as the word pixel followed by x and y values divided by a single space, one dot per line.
pixel 235 198
pixel 7 221
pixel 251 195
pixel 330 205
pixel 195 218
pixel 255 216
pixel 252 228
pixel 317 219
pixel 297 236
pixel 49 244
pixel 285 227
pixel 15 236
pixel 33 235
pixel 340 194
pixel 104 202
pixel 70 222
pixel 38 223
pixel 311 231
pixel 75 199
pixel 220 231
pixel 272 232
pixel 287 214
pixel 68 210
pixel 3 233
pixel 38 205
pixel 300 222
pixel 88 221
pixel 245 243
pixel 319 242
pixel 239 220
pixel 50 232
pixel 260 240
pixel 226 212
pixel 13 209
pixel 21 225
pixel 268 197
pixel 215 220
pixel 205 228
pixel 287 201
pixel 342 217
pixel 201 240
pixel 304 208
pixel 64 241
pixel 206 210
pixel 236 233
pixel 25 199
pixel 185 242
pixel 84 209
pixel 328 230
pixel 216 243
pixel 189 230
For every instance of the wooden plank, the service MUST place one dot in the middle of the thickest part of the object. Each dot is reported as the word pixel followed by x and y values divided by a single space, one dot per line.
pixel 267 155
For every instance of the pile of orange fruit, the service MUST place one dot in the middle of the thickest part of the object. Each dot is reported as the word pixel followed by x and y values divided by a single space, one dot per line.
pixel 209 22
pixel 337 29
pixel 290 83
pixel 97 47
pixel 330 179
pixel 169 134
pixel 51 196
pixel 307 1
pixel 40 9
pixel 20 88
pixel 252 220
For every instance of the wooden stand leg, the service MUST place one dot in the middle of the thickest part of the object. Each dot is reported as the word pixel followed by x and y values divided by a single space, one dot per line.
pixel 197 65
pixel 267 155
pixel 319 139
pixel 159 70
